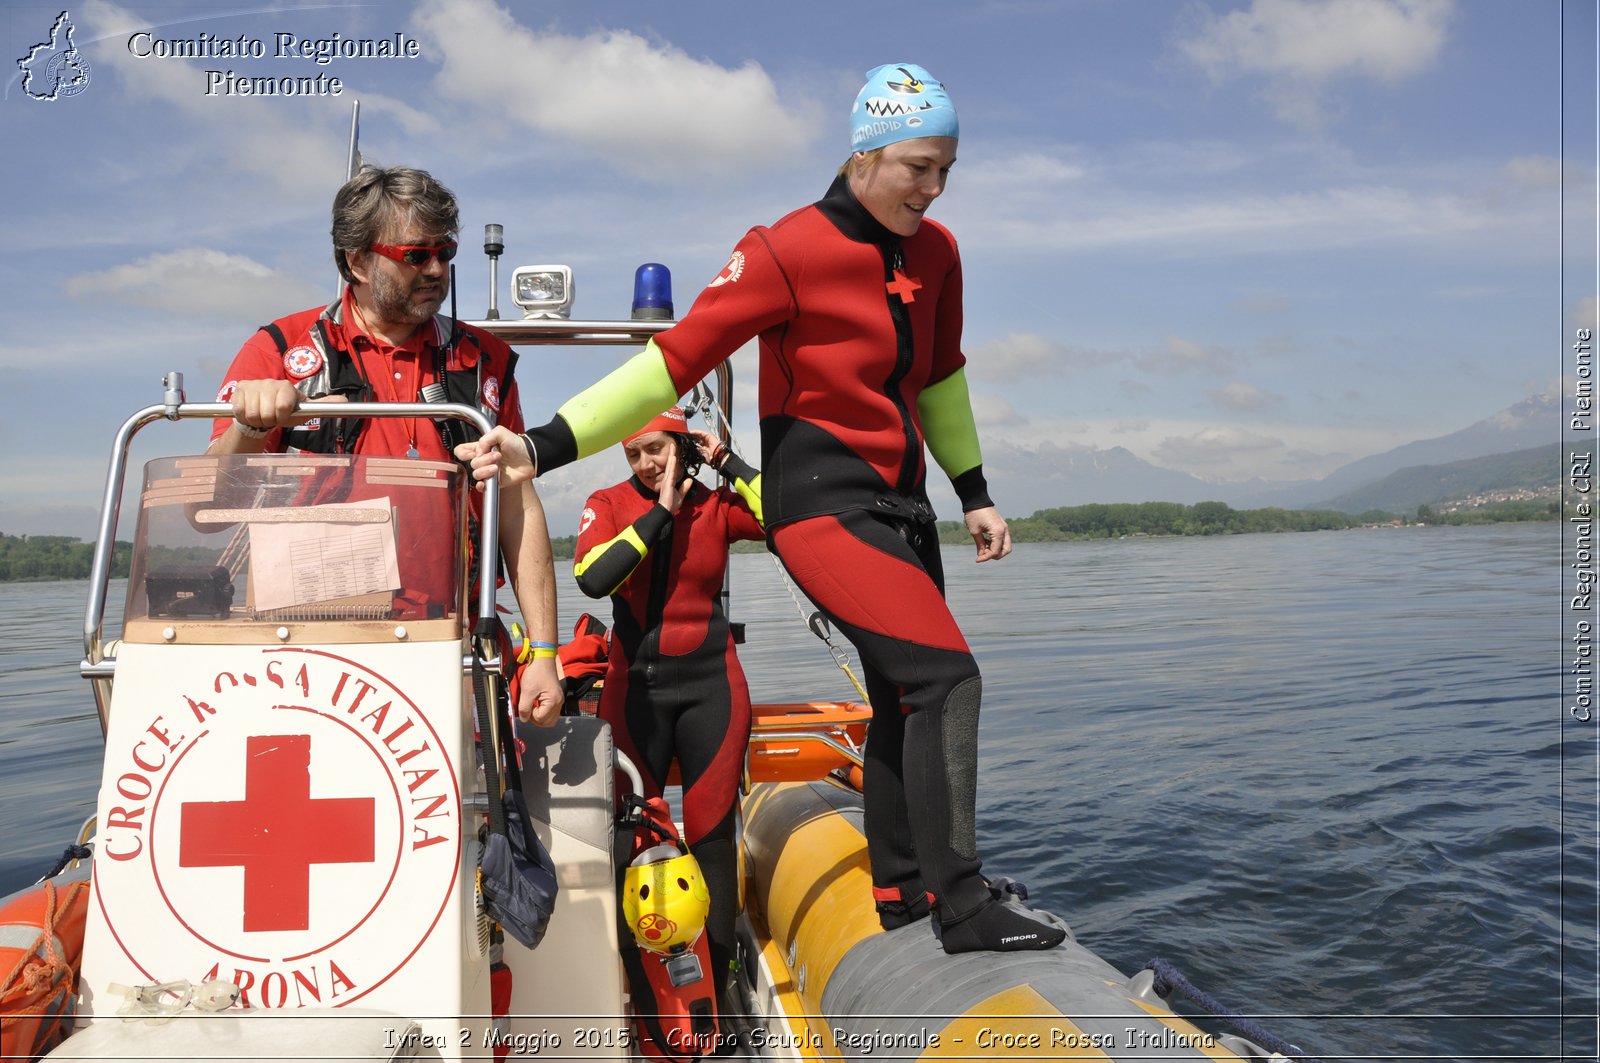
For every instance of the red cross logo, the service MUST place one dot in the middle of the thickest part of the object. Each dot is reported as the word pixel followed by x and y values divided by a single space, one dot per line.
pixel 277 832
pixel 903 286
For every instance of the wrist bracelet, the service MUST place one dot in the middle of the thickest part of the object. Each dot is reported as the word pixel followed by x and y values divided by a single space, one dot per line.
pixel 250 431
pixel 527 649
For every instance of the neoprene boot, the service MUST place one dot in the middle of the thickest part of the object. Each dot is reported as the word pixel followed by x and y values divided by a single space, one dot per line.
pixel 941 760
pixel 897 888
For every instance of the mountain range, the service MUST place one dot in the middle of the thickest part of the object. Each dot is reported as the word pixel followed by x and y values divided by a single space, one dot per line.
pixel 1525 432
pixel 1533 470
pixel 1522 440
pixel 1531 424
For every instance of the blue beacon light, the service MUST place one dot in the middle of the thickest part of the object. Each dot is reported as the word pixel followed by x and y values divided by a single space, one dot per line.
pixel 652 293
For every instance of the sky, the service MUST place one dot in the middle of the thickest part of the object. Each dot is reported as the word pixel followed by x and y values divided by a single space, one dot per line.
pixel 1239 238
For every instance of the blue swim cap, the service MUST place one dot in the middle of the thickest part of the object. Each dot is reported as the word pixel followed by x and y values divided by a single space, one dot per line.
pixel 900 101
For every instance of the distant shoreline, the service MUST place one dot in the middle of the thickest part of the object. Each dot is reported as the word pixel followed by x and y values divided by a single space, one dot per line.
pixel 47 558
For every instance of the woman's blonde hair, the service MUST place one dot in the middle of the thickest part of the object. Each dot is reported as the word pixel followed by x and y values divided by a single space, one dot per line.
pixel 869 159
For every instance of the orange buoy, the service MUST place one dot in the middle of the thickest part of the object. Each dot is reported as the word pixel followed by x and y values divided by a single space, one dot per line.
pixel 41 943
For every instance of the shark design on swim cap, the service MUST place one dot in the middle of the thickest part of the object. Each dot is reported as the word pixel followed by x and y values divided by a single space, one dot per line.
pixel 900 101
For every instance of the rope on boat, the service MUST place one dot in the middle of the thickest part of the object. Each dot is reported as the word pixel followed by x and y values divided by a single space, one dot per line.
pixel 68 855
pixel 701 401
pixel 44 972
pixel 1169 980
pixel 819 627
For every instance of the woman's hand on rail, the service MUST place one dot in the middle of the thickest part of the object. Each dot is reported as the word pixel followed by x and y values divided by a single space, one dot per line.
pixel 499 453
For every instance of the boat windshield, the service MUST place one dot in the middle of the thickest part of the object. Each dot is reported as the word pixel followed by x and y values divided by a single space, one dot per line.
pixel 297 537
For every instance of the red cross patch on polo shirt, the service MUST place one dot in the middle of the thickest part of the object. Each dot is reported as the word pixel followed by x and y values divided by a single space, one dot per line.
pixel 301 362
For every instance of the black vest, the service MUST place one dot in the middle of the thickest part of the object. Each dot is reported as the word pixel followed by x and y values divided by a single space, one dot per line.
pixel 340 375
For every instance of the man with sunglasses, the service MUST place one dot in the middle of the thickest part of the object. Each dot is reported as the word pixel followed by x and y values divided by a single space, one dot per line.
pixel 383 340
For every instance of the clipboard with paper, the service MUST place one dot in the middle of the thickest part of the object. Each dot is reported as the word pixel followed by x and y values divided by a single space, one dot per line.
pixel 332 557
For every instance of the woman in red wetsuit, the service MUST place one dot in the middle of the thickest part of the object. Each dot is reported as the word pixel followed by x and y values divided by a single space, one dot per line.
pixel 856 300
pixel 657 544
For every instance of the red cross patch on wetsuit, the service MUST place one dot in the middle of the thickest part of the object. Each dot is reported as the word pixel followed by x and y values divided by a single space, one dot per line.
pixel 903 286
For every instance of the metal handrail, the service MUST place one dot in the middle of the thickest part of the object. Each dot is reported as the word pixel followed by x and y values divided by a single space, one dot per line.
pixel 174 409
pixel 850 753
pixel 554 330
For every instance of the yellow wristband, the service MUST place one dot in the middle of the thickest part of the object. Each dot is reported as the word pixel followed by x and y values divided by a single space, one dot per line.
pixel 544 652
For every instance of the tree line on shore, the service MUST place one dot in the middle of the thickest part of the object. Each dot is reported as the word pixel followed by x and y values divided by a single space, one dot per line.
pixel 59 557
pixel 1121 520
pixel 53 557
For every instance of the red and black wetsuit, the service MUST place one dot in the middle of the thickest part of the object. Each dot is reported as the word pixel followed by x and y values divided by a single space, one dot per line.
pixel 861 363
pixel 673 684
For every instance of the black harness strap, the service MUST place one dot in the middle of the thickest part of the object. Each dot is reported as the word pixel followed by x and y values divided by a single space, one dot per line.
pixel 272 329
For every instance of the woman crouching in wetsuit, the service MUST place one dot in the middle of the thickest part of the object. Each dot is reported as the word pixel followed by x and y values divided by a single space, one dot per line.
pixel 657 544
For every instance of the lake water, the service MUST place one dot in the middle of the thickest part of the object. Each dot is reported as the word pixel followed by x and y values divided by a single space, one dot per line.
pixel 1329 776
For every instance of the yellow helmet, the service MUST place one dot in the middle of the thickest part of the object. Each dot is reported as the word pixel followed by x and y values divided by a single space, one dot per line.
pixel 664 898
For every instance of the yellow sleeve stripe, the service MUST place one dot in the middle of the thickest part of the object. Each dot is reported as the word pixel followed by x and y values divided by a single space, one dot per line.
pixel 947 424
pixel 626 541
pixel 751 493
pixel 620 402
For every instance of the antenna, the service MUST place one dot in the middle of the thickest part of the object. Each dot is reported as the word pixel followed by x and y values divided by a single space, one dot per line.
pixel 351 168
pixel 355 137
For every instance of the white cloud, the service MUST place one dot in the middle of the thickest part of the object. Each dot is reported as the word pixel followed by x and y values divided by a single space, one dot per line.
pixel 1300 46
pixel 1540 171
pixel 1320 39
pixel 1262 304
pixel 413 122
pixel 1027 355
pixel 1297 195
pixel 1212 450
pixel 1215 448
pixel 198 280
pixel 1469 293
pixel 1180 355
pixel 992 413
pixel 1583 315
pixel 1230 221
pixel 293 149
pixel 1239 396
pixel 1022 169
pixel 646 108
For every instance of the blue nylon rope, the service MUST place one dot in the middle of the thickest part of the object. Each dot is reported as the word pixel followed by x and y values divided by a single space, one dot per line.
pixel 73 852
pixel 1168 980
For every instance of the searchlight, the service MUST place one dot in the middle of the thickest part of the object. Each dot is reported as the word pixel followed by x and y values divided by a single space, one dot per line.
pixel 542 291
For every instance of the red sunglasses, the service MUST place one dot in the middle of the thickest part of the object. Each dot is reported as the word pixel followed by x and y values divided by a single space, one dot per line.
pixel 416 254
